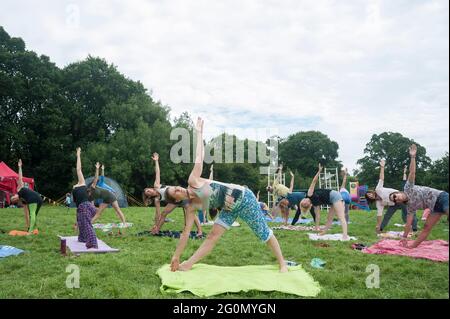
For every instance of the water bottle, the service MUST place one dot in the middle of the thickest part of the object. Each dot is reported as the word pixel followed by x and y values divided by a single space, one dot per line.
pixel 63 247
pixel 290 263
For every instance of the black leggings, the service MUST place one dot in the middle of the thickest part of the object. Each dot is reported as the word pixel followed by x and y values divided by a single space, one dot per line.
pixel 299 212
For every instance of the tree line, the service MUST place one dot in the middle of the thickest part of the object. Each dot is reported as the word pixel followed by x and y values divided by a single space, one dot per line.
pixel 47 111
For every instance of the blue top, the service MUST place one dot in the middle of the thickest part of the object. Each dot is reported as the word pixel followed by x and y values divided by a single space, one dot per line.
pixel 346 196
pixel 295 198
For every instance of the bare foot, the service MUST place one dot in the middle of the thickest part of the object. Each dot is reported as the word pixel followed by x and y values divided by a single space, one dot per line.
pixel 184 266
pixel 322 233
pixel 283 269
pixel 345 237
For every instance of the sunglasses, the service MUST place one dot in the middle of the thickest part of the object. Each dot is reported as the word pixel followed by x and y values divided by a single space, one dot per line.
pixel 394 197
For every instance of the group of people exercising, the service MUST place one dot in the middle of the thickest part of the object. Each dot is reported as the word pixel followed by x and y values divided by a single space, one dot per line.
pixel 226 202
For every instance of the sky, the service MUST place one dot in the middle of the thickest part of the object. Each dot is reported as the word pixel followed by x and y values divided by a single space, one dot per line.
pixel 348 68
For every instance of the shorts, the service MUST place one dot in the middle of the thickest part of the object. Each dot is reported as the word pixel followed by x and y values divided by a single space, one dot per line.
pixel 250 212
pixel 335 197
pixel 441 206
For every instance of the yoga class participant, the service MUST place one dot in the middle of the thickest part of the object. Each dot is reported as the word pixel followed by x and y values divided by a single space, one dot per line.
pixel 381 198
pixel 231 200
pixel 85 209
pixel 157 195
pixel 390 211
pixel 420 197
pixel 315 198
pixel 107 197
pixel 279 191
pixel 285 198
pixel 31 201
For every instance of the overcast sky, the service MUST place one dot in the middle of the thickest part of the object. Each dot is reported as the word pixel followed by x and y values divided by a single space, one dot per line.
pixel 347 68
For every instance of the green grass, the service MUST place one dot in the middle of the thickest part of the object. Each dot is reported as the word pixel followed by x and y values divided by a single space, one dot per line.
pixel 40 272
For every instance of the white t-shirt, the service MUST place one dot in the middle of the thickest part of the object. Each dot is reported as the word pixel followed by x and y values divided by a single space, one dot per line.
pixel 383 193
pixel 162 192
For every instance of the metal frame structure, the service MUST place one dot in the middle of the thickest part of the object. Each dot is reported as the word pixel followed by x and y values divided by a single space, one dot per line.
pixel 271 175
pixel 329 179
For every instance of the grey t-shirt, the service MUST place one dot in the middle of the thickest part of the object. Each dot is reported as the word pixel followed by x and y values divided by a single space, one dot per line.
pixel 420 197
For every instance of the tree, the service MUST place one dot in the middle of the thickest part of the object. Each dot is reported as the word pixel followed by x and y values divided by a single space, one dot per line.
pixel 302 151
pixel 437 175
pixel 393 147
pixel 33 125
pixel 138 127
pixel 91 87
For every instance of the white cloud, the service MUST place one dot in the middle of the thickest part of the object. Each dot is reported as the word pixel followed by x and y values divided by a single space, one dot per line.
pixel 354 67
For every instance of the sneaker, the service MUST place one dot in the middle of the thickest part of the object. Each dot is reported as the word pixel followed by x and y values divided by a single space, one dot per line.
pixel 290 263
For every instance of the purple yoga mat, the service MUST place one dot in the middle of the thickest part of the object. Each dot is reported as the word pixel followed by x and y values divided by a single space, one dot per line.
pixel 77 248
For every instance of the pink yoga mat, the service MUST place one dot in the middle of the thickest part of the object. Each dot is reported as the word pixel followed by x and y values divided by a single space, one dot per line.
pixel 436 250
pixel 77 248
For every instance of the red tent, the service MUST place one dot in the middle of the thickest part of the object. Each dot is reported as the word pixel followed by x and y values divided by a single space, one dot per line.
pixel 9 180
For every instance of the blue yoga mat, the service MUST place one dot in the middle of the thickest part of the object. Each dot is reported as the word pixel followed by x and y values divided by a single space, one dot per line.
pixel 6 251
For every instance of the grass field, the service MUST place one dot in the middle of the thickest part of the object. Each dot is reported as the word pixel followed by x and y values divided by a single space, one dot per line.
pixel 41 271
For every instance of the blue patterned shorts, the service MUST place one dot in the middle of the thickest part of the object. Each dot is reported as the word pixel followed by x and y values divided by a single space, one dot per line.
pixel 250 212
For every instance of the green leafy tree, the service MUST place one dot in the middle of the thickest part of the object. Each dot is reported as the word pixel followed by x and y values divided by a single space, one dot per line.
pixel 33 125
pixel 393 147
pixel 437 175
pixel 302 151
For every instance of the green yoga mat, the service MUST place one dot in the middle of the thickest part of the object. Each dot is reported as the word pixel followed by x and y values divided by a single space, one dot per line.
pixel 208 280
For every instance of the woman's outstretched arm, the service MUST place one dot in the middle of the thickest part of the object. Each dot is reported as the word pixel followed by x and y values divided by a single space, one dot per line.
pixel 412 165
pixel 344 179
pixel 20 182
pixel 195 176
pixel 155 158
pixel 382 164
pixel 314 181
pixel 97 168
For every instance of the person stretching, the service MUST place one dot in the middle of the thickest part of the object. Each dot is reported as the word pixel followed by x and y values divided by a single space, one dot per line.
pixel 315 198
pixel 85 209
pixel 390 211
pixel 157 195
pixel 286 197
pixel 420 197
pixel 381 198
pixel 231 200
pixel 31 200
pixel 107 197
